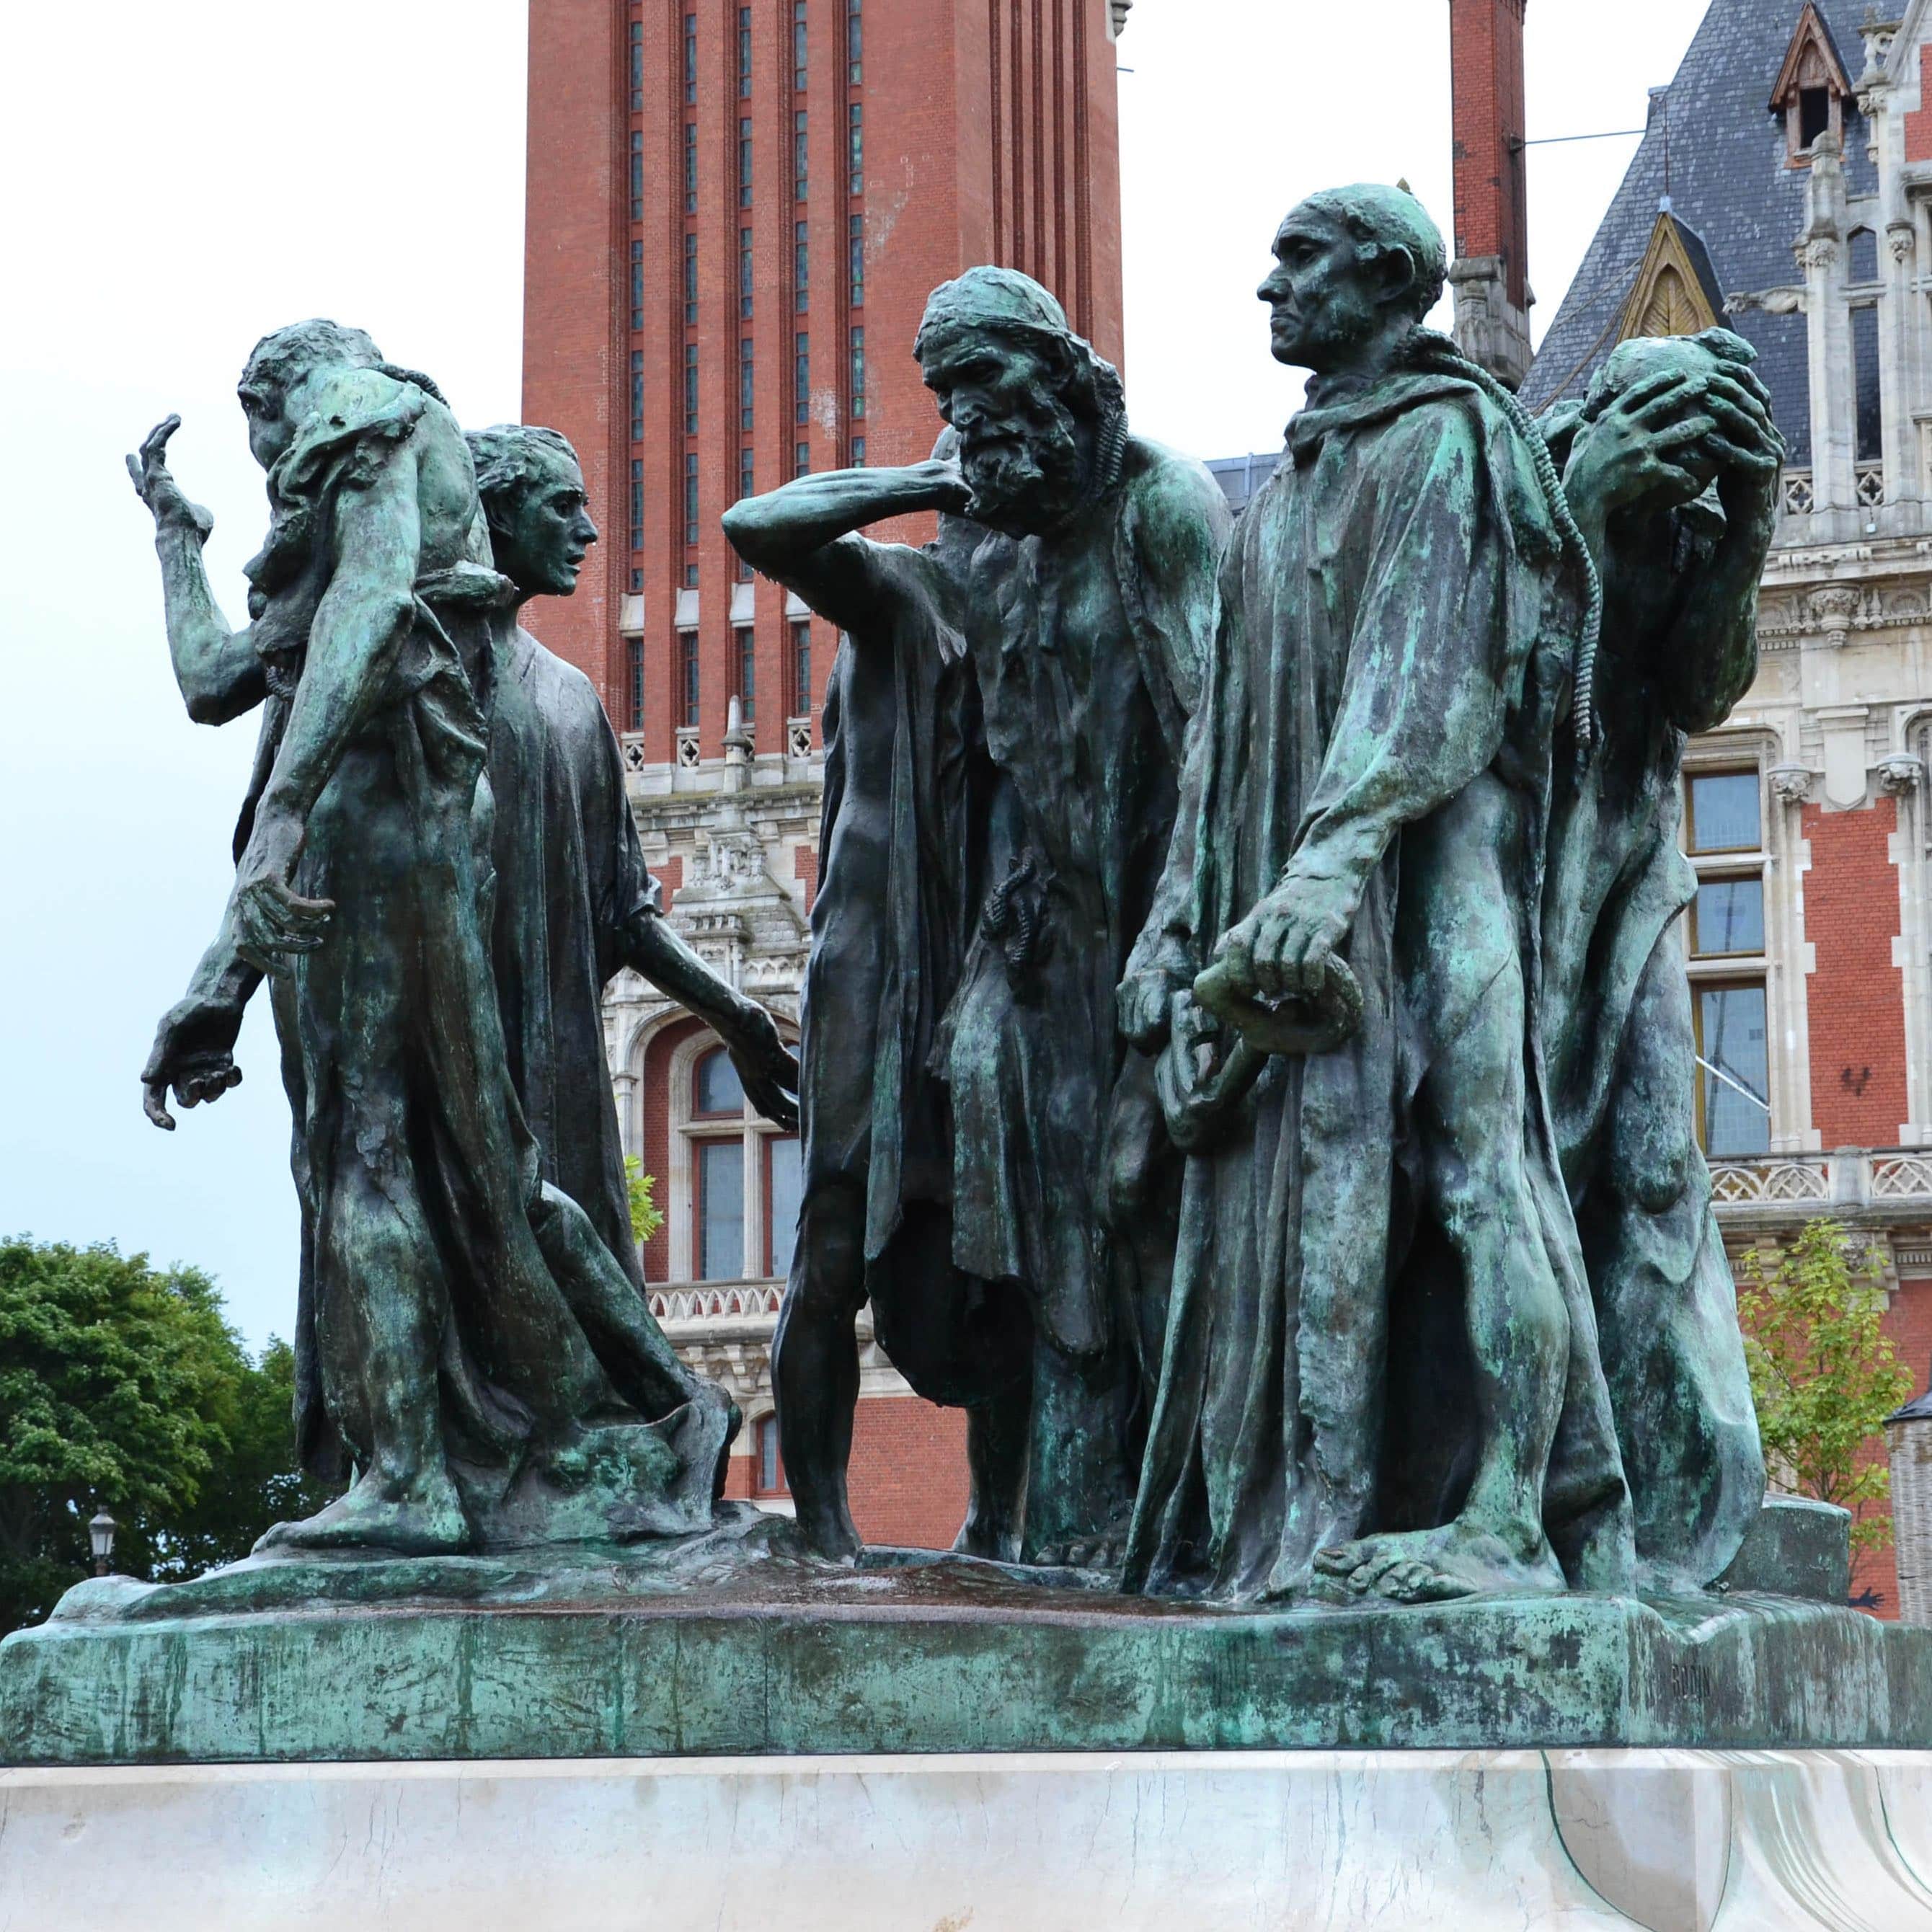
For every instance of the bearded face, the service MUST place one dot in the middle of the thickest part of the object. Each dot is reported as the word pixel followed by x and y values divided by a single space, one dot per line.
pixel 1022 449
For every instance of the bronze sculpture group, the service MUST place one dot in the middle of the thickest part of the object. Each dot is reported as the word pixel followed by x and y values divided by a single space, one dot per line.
pixel 1245 1057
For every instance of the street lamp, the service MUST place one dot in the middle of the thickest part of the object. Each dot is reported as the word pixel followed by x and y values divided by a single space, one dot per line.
pixel 101 1533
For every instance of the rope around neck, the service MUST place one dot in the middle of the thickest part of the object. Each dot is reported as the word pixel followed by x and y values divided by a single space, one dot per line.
pixel 1426 347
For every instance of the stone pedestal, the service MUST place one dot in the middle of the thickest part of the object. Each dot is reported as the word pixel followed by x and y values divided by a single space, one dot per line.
pixel 1557 1841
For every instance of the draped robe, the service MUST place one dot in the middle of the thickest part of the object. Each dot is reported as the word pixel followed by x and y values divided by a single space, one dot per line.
pixel 1396 622
pixel 394 1058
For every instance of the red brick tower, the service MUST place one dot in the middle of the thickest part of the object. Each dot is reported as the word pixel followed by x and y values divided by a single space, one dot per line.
pixel 1491 274
pixel 735 213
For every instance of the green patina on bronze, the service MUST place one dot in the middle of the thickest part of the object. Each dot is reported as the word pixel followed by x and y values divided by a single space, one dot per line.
pixel 576 1658
pixel 469 1341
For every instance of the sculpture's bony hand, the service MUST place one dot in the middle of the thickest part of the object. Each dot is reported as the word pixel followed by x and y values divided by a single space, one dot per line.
pixel 272 921
pixel 952 494
pixel 193 1054
pixel 767 1067
pixel 1282 949
pixel 1143 1008
pixel 155 485
pixel 1646 448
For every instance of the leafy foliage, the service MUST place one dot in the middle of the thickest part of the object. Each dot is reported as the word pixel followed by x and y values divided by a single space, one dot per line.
pixel 125 1387
pixel 645 1218
pixel 1823 1372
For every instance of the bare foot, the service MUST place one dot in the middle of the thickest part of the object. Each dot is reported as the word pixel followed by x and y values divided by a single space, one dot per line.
pixel 1434 1566
pixel 422 1519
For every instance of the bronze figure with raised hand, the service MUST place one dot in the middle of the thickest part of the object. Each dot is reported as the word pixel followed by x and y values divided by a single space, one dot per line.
pixel 1073 580
pixel 1352 893
pixel 464 1338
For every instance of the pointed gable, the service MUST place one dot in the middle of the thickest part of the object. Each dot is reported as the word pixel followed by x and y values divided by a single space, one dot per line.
pixel 1676 291
pixel 1812 86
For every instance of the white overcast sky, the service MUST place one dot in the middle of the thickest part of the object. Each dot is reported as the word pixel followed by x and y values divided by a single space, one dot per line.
pixel 181 178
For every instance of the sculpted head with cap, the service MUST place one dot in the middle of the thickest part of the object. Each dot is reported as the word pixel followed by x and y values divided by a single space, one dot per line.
pixel 1040 417
pixel 1356 270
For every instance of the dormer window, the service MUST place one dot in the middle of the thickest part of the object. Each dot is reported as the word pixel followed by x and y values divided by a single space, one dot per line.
pixel 1814 114
pixel 1812 88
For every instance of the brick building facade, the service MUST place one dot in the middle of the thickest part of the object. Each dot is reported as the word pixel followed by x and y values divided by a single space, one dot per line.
pixel 736 213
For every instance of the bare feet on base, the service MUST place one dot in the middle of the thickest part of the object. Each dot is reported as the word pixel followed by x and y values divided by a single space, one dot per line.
pixel 424 1518
pixel 1435 1566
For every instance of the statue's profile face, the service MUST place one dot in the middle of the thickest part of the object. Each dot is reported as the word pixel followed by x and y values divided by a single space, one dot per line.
pixel 540 530
pixel 271 428
pixel 1322 303
pixel 1019 444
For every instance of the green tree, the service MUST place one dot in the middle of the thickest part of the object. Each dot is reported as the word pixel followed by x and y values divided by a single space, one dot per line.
pixel 1823 1373
pixel 645 1218
pixel 126 1387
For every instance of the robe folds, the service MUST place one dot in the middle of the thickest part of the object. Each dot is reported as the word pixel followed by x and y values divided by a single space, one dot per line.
pixel 1090 649
pixel 1398 615
pixel 425 1207
pixel 571 890
pixel 1622 1047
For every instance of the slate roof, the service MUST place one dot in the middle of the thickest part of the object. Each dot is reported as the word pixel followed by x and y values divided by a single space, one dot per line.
pixel 1731 184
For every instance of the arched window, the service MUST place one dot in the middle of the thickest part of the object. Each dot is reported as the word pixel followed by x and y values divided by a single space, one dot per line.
pixel 743 1201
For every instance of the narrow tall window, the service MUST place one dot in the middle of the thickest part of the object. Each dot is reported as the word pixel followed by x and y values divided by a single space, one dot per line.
pixel 690 168
pixel 801 265
pixel 747 388
pixel 744 163
pixel 636 505
pixel 747 675
pixel 801 669
pixel 858 452
pixel 690 58
pixel 637 285
pixel 636 174
pixel 687 677
pixel 691 280
pixel 691 388
pixel 691 500
pixel 744 53
pixel 1724 833
pixel 633 680
pixel 637 66
pixel 798 44
pixel 1869 387
pixel 801 459
pixel 637 395
pixel 855 244
pixel 746 488
pixel 744 274
pixel 799 169
pixel 855 126
pixel 855 43
pixel 801 378
pixel 858 374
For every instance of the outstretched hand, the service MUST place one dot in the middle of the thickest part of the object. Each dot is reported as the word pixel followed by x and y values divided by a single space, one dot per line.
pixel 155 485
pixel 767 1067
pixel 193 1054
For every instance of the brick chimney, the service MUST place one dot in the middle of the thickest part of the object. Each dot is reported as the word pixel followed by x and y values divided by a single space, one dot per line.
pixel 1490 275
